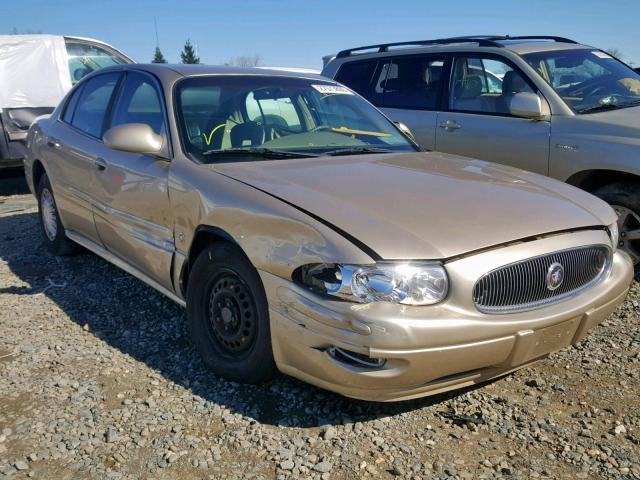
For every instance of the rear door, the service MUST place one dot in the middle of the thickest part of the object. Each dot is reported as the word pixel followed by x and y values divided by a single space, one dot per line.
pixel 73 145
pixel 407 88
pixel 412 94
pixel 476 122
pixel 132 211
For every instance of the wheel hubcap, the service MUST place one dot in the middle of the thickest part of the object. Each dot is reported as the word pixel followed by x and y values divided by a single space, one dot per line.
pixel 49 215
pixel 629 228
pixel 232 315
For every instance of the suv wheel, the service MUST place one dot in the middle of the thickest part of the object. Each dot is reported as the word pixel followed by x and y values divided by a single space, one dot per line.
pixel 624 198
pixel 228 316
pixel 55 238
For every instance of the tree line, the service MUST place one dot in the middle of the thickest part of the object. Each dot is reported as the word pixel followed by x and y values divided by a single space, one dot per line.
pixel 189 55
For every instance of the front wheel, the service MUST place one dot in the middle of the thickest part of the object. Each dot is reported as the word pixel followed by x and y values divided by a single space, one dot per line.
pixel 228 316
pixel 624 198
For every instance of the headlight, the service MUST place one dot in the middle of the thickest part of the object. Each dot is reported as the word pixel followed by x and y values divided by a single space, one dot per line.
pixel 614 234
pixel 404 283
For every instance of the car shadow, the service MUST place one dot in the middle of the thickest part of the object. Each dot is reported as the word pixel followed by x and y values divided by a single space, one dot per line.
pixel 12 182
pixel 133 318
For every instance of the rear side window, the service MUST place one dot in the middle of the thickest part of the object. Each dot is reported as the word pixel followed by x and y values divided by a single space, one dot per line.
pixel 71 105
pixel 93 104
pixel 139 102
pixel 413 83
pixel 357 76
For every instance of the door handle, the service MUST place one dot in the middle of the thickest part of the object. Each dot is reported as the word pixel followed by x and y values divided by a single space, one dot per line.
pixel 101 164
pixel 53 143
pixel 450 125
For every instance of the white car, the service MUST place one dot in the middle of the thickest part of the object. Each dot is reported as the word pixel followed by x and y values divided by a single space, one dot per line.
pixel 36 72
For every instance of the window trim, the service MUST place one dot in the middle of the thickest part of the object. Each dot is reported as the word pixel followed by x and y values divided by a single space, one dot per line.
pixel 482 55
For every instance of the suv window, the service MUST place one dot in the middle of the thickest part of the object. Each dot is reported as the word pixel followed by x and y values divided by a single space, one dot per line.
pixel 357 76
pixel 85 58
pixel 139 102
pixel 588 80
pixel 413 83
pixel 484 85
pixel 93 104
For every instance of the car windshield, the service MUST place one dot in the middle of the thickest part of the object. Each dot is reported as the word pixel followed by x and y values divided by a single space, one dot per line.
pixel 236 113
pixel 588 80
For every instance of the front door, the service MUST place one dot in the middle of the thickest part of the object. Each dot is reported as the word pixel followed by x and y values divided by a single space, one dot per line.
pixel 132 211
pixel 478 122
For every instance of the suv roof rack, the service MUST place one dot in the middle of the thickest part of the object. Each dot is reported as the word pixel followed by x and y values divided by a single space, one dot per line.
pixel 481 40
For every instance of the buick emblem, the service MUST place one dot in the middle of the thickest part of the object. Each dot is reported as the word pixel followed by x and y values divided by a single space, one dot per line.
pixel 555 276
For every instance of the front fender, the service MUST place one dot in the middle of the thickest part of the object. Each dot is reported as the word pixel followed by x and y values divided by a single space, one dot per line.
pixel 276 237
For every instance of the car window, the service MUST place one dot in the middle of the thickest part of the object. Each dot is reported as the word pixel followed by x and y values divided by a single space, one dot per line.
pixel 70 108
pixel 358 76
pixel 93 103
pixel 85 58
pixel 588 80
pixel 279 113
pixel 274 112
pixel 139 102
pixel 413 83
pixel 484 85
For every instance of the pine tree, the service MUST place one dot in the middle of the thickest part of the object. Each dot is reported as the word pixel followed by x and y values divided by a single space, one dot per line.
pixel 188 54
pixel 158 57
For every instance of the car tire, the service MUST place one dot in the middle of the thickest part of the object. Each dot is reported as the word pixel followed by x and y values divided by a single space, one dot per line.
pixel 624 198
pixel 55 238
pixel 228 315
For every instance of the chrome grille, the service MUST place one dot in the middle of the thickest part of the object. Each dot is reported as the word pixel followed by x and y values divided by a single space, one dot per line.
pixel 523 285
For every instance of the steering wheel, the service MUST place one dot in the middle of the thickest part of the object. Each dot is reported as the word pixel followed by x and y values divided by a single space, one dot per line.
pixel 591 87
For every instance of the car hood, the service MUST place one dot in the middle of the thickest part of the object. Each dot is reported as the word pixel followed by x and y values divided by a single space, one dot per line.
pixel 621 126
pixel 424 205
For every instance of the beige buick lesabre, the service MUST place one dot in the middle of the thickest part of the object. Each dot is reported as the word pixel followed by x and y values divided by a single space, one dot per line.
pixel 307 233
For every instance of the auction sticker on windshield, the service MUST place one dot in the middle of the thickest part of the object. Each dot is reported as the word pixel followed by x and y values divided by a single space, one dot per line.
pixel 333 89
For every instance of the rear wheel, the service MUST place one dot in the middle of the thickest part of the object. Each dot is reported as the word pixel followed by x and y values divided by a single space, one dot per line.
pixel 54 235
pixel 228 315
pixel 624 198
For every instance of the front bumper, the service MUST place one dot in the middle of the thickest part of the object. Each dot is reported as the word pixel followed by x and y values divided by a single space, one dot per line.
pixel 433 349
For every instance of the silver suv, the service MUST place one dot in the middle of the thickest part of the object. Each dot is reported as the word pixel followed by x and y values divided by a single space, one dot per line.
pixel 545 104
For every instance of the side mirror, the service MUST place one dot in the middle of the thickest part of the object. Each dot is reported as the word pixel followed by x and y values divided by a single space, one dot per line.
pixel 406 130
pixel 134 138
pixel 527 105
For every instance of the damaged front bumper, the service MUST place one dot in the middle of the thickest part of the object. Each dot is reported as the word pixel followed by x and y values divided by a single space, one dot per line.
pixel 387 352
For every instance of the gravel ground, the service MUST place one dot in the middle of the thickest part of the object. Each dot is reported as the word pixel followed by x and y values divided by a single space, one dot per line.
pixel 98 380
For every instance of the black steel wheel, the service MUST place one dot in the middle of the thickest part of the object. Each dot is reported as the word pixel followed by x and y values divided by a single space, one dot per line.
pixel 232 314
pixel 228 315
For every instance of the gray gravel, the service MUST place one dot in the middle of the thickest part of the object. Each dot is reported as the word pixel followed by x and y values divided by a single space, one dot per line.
pixel 98 380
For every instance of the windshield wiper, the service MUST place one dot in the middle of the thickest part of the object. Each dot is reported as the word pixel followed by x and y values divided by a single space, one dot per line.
pixel 257 151
pixel 356 151
pixel 610 106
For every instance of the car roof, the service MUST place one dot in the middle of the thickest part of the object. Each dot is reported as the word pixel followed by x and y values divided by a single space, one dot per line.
pixel 518 44
pixel 167 70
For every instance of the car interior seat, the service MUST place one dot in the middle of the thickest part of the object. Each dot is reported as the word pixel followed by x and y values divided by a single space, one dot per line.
pixel 467 94
pixel 512 83
pixel 247 134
